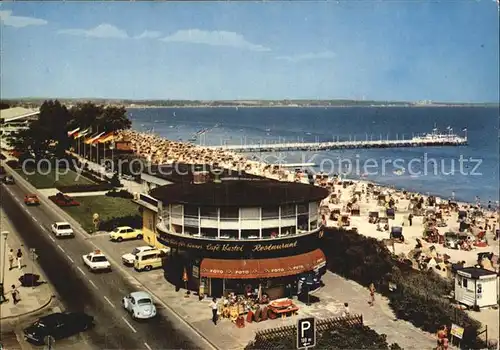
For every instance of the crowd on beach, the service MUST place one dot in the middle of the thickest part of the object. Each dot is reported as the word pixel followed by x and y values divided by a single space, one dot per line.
pixel 158 150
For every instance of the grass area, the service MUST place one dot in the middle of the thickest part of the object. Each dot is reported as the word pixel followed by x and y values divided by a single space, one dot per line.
pixel 49 179
pixel 106 207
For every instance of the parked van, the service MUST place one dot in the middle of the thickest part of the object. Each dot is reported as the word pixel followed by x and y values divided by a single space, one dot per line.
pixel 148 260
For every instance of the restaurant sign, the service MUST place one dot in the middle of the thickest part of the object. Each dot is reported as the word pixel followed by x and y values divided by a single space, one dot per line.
pixel 253 248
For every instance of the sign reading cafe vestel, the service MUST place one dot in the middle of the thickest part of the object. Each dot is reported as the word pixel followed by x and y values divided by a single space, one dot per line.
pixel 255 248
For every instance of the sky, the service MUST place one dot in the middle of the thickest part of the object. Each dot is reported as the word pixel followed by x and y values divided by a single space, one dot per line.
pixel 374 50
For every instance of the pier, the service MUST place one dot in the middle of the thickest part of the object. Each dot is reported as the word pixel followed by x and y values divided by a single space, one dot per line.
pixel 430 140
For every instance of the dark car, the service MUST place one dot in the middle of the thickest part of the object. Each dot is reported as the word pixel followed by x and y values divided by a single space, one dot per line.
pixel 57 326
pixel 8 180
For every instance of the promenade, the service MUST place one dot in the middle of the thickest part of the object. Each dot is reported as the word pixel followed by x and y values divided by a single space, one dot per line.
pixel 334 145
pixel 34 300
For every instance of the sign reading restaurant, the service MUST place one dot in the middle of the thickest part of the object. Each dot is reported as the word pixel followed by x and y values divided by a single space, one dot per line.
pixel 254 248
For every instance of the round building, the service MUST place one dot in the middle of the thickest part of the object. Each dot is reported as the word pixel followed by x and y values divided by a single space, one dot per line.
pixel 237 235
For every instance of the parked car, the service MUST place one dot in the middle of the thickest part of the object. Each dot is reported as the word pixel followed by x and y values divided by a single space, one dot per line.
pixel 63 200
pixel 57 326
pixel 8 180
pixel 129 258
pixel 31 199
pixel 62 229
pixel 125 232
pixel 140 305
pixel 148 260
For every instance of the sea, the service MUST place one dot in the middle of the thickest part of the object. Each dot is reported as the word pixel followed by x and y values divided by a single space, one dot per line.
pixel 466 173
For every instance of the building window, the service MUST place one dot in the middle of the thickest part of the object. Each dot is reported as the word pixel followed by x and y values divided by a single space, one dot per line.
pixel 209 232
pixel 177 210
pixel 313 209
pixel 229 213
pixel 230 234
pixel 209 213
pixel 302 209
pixel 250 213
pixel 191 220
pixel 270 212
pixel 303 222
pixel 288 230
pixel 288 211
pixel 250 234
pixel 176 228
pixel 190 210
pixel 270 232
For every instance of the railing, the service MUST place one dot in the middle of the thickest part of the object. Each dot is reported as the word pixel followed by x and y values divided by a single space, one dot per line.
pixel 196 232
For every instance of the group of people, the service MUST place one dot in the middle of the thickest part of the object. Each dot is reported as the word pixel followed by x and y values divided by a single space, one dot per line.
pixel 162 151
pixel 15 261
pixel 158 150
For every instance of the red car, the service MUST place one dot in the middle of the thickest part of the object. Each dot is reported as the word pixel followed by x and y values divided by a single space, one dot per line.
pixel 31 199
pixel 63 200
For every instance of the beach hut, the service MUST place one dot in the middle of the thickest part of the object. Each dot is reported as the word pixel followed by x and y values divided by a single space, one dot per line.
pixel 476 287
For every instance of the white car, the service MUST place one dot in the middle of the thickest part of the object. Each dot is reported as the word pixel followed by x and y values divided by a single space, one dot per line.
pixel 140 305
pixel 96 261
pixel 62 229
pixel 129 258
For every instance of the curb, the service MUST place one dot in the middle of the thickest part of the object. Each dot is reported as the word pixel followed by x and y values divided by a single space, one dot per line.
pixel 85 235
pixel 10 323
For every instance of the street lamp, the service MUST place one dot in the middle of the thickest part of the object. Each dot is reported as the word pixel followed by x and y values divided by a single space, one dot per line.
pixel 5 234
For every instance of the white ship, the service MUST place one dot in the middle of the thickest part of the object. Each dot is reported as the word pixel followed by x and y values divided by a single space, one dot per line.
pixel 435 135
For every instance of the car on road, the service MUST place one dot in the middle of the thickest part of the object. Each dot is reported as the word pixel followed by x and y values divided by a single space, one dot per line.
pixel 140 305
pixel 62 229
pixel 57 326
pixel 8 180
pixel 125 232
pixel 96 261
pixel 31 199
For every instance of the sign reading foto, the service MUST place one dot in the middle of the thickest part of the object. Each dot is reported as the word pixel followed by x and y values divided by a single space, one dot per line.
pixel 306 333
pixel 457 331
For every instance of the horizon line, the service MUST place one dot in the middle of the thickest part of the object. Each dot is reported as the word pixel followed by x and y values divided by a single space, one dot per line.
pixel 245 100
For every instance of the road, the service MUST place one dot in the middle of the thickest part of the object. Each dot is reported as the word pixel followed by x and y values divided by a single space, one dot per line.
pixel 96 294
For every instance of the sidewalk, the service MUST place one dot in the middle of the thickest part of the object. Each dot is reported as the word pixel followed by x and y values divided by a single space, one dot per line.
pixel 332 297
pixel 33 299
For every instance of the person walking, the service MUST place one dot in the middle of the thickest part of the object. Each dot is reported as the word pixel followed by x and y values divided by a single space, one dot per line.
pixel 410 219
pixel 15 294
pixel 11 259
pixel 372 294
pixel 346 312
pixel 19 256
pixel 213 306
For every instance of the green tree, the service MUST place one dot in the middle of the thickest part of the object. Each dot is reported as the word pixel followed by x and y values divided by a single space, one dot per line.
pixel 47 134
pixel 113 119
pixel 85 115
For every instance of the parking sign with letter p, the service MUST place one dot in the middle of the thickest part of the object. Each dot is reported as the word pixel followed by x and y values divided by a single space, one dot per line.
pixel 306 333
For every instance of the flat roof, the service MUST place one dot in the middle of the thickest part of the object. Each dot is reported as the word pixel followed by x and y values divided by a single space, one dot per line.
pixel 475 272
pixel 239 193
pixel 15 113
pixel 182 172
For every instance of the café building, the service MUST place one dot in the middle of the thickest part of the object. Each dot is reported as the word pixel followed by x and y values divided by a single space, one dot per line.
pixel 233 234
